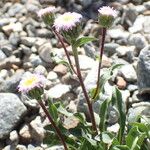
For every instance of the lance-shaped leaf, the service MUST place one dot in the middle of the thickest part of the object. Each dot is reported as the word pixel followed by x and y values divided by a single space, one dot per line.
pixel 83 40
pixel 117 99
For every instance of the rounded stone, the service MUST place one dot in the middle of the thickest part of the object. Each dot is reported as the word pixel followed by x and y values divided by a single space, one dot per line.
pixel 121 83
pixel 11 112
pixel 143 71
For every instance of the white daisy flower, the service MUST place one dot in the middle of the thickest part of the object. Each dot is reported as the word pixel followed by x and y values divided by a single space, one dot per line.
pixel 67 21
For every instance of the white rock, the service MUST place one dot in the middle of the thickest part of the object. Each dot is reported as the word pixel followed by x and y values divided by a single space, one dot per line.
pixel 28 41
pixel 21 147
pixel 91 78
pixel 128 72
pixel 6 21
pixel 52 75
pixel 140 8
pixel 118 33
pixel 45 51
pixel 125 95
pixel 11 112
pixel 25 133
pixel 123 50
pixel 12 27
pixel 138 40
pixel 146 25
pixel 40 70
pixel 58 91
pixel 147 4
pixel 138 24
pixel 114 128
pixel 37 129
pixel 14 138
pixel 3 73
pixel 86 62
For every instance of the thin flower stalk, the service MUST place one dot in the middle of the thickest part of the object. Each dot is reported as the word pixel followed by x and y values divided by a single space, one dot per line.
pixel 100 60
pixel 89 103
pixel 106 18
pixel 33 86
pixel 53 124
pixel 69 25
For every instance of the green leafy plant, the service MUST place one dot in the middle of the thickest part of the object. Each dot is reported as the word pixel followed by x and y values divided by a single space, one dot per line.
pixel 72 130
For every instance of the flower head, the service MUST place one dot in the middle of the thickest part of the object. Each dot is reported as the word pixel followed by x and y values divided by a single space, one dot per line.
pixel 69 24
pixel 47 14
pixel 32 84
pixel 67 21
pixel 106 16
pixel 106 10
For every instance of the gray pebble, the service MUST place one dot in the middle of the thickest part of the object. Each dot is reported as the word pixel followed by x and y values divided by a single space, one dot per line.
pixel 13 109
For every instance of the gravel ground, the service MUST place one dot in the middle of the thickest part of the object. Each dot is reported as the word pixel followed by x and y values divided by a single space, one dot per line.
pixel 27 44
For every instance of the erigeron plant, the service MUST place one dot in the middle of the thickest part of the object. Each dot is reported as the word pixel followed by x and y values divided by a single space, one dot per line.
pixel 80 134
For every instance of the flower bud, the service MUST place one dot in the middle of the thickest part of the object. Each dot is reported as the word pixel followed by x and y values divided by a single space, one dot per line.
pixel 47 14
pixel 36 93
pixel 106 16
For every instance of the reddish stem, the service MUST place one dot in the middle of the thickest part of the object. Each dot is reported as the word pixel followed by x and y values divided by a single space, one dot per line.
pixel 89 103
pixel 53 124
pixel 100 61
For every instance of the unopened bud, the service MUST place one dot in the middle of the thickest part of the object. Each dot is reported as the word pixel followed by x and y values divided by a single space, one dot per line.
pixel 47 14
pixel 106 16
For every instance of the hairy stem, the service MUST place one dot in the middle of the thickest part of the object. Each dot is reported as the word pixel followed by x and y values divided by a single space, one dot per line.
pixel 91 112
pixel 100 61
pixel 53 124
pixel 65 49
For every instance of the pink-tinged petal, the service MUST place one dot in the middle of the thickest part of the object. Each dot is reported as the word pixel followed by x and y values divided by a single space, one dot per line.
pixel 67 21
pixel 30 81
pixel 109 11
pixel 48 10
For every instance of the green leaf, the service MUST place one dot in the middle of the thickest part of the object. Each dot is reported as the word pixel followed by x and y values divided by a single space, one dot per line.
pixel 63 111
pixel 81 117
pixel 51 139
pixel 135 138
pixel 89 138
pixel 103 79
pixel 115 66
pixel 120 147
pixel 49 128
pixel 92 93
pixel 53 110
pixel 83 40
pixel 71 142
pixel 77 132
pixel 103 115
pixel 85 145
pixel 141 126
pixel 100 147
pixel 115 141
pixel 122 115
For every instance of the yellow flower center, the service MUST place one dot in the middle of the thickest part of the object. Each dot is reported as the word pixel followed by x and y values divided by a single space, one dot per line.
pixel 30 81
pixel 68 18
